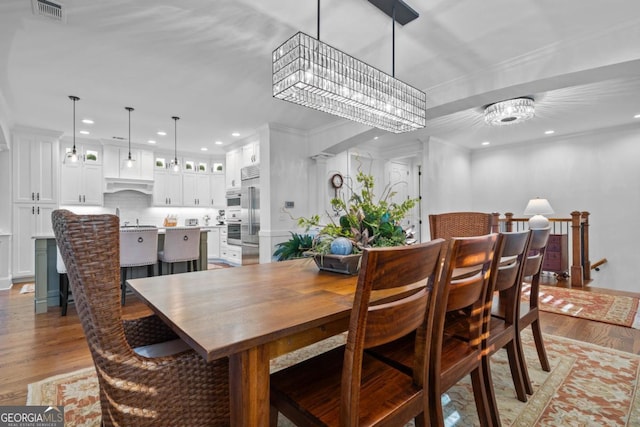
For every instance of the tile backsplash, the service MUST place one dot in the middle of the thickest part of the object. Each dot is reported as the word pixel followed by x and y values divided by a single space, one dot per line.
pixel 135 205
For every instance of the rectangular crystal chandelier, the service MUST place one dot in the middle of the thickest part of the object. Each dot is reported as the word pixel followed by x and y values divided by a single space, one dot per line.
pixel 309 72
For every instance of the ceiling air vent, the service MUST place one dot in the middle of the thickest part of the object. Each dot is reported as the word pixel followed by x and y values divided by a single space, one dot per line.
pixel 50 9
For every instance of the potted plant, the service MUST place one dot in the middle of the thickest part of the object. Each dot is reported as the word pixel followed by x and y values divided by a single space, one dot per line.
pixel 363 221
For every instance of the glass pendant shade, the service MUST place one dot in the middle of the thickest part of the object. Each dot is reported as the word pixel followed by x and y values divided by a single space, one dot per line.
pixel 73 155
pixel 176 165
pixel 311 73
pixel 509 112
pixel 129 159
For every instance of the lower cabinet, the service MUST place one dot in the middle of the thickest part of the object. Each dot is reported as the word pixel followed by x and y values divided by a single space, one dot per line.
pixel 30 220
pixel 231 254
pixel 213 244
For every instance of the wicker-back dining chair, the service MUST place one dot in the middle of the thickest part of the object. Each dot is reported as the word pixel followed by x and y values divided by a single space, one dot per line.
pixel 462 224
pixel 179 389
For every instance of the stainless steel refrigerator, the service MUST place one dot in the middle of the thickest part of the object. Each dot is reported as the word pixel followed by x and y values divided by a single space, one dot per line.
pixel 250 213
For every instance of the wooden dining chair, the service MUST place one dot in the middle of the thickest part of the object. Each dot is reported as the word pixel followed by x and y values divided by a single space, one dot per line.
pixel 502 331
pixel 462 224
pixel 529 313
pixel 453 358
pixel 347 386
pixel 172 385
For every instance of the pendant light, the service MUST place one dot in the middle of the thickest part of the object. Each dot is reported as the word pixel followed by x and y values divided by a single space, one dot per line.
pixel 129 159
pixel 73 155
pixel 176 166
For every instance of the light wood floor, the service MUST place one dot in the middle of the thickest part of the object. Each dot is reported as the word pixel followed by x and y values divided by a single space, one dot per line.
pixel 35 347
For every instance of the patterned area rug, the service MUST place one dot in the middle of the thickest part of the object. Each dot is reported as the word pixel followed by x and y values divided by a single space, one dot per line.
pixel 617 310
pixel 588 386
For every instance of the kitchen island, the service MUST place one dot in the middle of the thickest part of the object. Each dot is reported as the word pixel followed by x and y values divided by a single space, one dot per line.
pixel 47 280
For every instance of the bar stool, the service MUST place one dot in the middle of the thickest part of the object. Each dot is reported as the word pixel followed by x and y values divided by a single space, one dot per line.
pixel 180 244
pixel 138 247
pixel 64 283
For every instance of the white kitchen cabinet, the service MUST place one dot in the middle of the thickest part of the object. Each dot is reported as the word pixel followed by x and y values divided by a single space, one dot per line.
pixel 35 166
pixel 167 188
pixel 81 182
pixel 195 189
pixel 29 220
pixel 231 254
pixel 251 154
pixel 217 190
pixel 213 243
pixel 233 163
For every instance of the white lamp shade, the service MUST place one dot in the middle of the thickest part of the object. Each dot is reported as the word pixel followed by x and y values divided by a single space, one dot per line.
pixel 538 207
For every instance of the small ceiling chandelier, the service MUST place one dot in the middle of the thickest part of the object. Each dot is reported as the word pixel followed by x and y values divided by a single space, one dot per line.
pixel 311 73
pixel 509 112
pixel 73 154
pixel 174 162
pixel 129 159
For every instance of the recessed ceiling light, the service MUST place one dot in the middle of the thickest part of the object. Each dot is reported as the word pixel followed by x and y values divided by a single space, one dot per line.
pixel 637 116
pixel 204 149
pixel 549 132
pixel 87 121
pixel 218 142
pixel 161 133
pixel 235 134
pixel 485 143
pixel 84 132
pixel 375 137
pixel 151 141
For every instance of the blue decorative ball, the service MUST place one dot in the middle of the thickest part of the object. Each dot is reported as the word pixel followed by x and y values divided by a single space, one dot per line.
pixel 341 246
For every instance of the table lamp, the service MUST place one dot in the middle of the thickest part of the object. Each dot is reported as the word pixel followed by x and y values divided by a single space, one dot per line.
pixel 538 207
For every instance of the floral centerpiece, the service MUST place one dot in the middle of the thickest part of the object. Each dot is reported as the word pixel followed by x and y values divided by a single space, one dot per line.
pixel 363 221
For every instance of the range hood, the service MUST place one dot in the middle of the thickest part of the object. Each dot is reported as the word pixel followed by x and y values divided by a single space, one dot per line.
pixel 113 185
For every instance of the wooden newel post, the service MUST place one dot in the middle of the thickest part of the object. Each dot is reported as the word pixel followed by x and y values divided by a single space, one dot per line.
pixel 576 263
pixel 495 222
pixel 586 261
pixel 508 221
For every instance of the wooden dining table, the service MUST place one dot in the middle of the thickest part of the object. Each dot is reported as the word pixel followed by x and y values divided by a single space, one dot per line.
pixel 251 314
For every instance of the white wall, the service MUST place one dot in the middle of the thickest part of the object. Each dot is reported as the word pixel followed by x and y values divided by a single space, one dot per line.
pixel 597 173
pixel 446 178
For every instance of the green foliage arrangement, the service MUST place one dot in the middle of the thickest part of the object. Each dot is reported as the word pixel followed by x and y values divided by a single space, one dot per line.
pixel 362 219
pixel 294 247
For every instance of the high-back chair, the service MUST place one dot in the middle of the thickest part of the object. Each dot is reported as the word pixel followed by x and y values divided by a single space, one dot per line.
pixel 465 282
pixel 461 224
pixel 529 314
pixel 180 244
pixel 347 386
pixel 138 248
pixel 174 389
pixel 506 277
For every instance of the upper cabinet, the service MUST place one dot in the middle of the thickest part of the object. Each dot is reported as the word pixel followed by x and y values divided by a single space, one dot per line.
pixel 195 182
pixel 251 154
pixel 167 185
pixel 81 181
pixel 35 160
pixel 247 155
pixel 233 162
pixel 116 163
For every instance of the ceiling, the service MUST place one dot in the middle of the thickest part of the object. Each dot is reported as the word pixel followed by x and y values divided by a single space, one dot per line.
pixel 209 62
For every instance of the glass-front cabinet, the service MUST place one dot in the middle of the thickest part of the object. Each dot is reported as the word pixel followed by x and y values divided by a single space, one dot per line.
pixel 81 181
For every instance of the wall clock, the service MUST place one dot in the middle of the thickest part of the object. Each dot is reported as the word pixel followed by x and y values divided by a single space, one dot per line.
pixel 337 181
